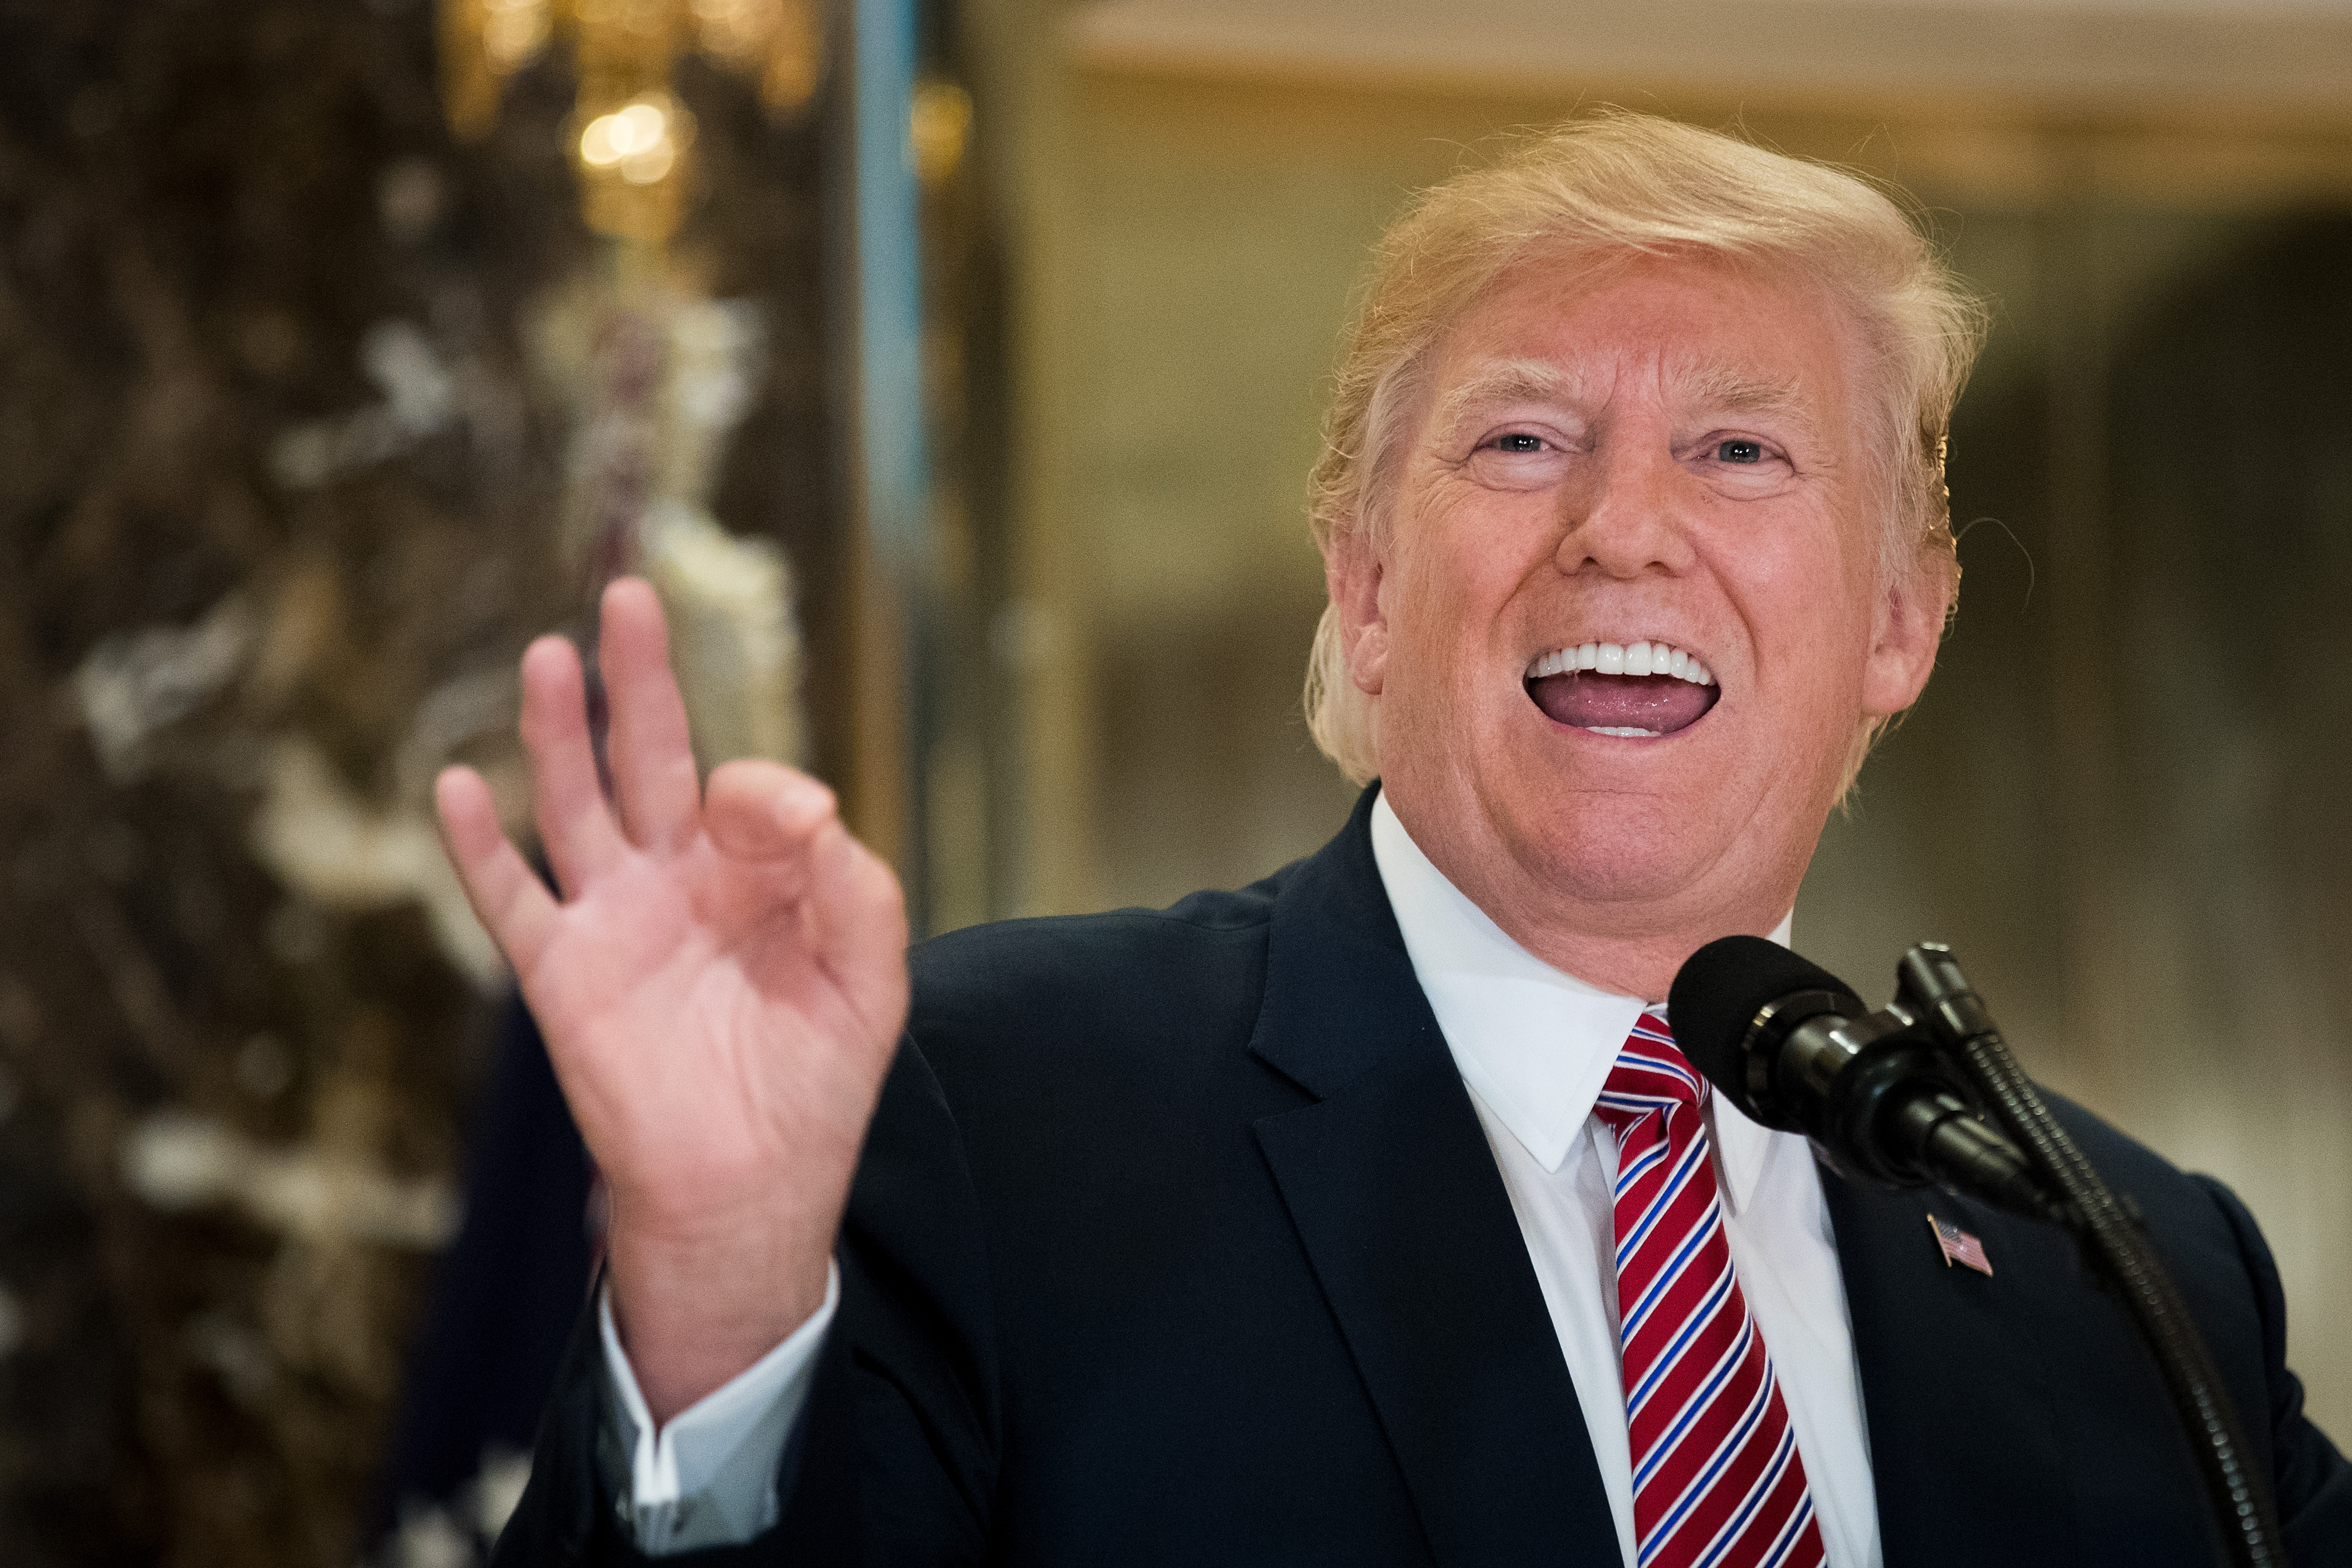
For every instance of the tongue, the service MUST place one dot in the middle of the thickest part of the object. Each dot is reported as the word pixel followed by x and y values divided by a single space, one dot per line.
pixel 1591 701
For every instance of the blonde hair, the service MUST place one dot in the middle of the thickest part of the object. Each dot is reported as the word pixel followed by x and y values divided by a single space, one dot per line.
pixel 1617 181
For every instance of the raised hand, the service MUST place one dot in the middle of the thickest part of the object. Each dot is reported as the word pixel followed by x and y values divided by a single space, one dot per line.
pixel 722 985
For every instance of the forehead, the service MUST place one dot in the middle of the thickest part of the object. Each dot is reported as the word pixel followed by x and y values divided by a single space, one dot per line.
pixel 1699 332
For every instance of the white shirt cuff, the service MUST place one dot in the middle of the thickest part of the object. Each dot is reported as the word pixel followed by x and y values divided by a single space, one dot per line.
pixel 709 1478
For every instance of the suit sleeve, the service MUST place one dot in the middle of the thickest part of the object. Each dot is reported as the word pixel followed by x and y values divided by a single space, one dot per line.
pixel 893 1462
pixel 911 1416
pixel 2312 1479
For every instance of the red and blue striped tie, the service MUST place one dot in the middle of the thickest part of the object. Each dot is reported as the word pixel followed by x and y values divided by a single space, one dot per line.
pixel 1717 1481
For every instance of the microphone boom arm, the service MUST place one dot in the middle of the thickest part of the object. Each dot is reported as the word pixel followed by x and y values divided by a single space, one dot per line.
pixel 1931 989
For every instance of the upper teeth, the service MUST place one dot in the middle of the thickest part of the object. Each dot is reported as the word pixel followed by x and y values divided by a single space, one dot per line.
pixel 1623 659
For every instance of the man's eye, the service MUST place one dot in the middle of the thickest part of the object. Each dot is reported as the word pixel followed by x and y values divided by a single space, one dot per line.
pixel 1739 452
pixel 1518 441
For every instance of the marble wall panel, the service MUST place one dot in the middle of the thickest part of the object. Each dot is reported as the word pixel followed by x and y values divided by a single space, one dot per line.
pixel 277 504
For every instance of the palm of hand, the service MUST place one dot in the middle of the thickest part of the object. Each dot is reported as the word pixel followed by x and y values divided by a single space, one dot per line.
pixel 702 1039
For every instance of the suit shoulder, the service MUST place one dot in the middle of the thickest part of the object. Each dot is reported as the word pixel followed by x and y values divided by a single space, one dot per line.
pixel 2122 1159
pixel 1119 970
pixel 2117 1152
pixel 2178 1209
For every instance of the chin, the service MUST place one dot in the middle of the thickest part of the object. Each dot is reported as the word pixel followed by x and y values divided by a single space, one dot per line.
pixel 1617 849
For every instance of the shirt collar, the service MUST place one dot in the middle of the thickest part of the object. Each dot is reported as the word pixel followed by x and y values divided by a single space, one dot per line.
pixel 1536 1043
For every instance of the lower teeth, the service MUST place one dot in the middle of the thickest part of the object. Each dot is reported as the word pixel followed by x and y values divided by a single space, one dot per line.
pixel 1622 729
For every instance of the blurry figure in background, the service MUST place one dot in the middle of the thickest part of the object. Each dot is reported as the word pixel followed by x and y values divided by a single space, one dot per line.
pixel 656 382
pixel 654 377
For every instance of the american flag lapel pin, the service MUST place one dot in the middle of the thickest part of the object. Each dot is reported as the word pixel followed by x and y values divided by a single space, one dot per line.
pixel 1959 1247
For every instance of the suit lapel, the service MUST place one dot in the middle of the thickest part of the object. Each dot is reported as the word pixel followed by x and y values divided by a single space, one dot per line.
pixel 1389 1181
pixel 1965 1447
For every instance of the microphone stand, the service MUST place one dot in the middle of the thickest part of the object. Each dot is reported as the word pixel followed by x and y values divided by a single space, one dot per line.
pixel 1931 989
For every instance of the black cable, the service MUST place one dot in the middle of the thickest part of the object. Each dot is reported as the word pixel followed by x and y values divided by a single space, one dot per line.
pixel 2241 1499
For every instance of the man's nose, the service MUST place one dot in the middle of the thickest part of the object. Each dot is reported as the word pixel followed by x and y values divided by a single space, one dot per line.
pixel 1623 516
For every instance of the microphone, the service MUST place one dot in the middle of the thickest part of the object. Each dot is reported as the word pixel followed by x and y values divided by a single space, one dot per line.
pixel 1792 1046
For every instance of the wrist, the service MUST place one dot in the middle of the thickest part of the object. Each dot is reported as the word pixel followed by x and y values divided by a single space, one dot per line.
pixel 698 1304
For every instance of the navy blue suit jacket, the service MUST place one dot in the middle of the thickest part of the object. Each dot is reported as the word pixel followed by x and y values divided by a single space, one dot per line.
pixel 1177 1240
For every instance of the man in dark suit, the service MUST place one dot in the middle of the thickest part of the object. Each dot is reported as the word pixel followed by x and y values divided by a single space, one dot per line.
pixel 1370 1214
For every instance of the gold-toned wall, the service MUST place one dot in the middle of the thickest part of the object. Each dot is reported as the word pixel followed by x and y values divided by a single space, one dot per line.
pixel 2096 830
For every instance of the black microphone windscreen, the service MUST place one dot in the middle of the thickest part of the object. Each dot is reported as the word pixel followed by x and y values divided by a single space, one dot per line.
pixel 1717 994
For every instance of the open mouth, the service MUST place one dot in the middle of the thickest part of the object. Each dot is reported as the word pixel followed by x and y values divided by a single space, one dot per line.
pixel 1638 690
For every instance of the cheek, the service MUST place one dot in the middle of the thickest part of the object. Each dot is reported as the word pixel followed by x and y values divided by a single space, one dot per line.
pixel 1805 597
pixel 1421 596
pixel 1467 560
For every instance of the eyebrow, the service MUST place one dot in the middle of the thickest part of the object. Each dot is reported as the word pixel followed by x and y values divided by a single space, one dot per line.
pixel 1735 392
pixel 1715 386
pixel 1511 380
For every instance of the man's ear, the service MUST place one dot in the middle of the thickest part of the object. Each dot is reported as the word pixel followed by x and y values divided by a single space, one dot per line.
pixel 1352 573
pixel 1906 629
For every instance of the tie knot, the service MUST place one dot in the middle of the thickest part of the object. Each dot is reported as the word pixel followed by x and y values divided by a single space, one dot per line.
pixel 1651 1074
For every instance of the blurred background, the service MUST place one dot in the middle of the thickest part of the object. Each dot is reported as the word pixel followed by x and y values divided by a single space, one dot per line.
pixel 954 368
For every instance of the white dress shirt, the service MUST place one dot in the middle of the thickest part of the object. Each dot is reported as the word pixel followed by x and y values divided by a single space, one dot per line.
pixel 1534 1046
